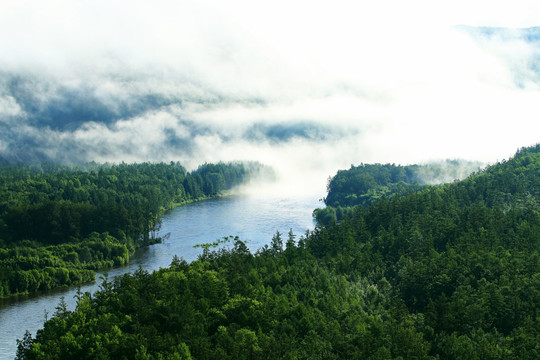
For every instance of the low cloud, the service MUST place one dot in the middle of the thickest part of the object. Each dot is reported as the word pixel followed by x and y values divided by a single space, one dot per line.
pixel 300 86
pixel 518 48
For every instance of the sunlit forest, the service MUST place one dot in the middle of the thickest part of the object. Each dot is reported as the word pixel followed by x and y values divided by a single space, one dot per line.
pixel 368 183
pixel 439 272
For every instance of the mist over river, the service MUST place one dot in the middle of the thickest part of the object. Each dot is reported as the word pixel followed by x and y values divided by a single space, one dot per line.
pixel 254 218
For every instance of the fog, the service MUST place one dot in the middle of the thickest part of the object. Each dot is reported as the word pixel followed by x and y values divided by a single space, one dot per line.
pixel 306 87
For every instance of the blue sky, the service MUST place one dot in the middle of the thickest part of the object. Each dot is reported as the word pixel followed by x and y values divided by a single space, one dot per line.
pixel 296 84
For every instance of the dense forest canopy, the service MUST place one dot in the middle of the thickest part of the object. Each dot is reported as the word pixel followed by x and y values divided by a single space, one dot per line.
pixel 368 183
pixel 60 223
pixel 449 272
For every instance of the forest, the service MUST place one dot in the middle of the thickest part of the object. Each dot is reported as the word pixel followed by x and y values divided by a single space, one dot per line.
pixel 58 224
pixel 368 183
pixel 447 272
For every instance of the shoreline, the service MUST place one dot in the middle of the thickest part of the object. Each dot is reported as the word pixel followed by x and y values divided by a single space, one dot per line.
pixel 151 242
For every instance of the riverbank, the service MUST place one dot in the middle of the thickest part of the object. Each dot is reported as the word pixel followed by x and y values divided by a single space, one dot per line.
pixel 254 219
pixel 222 194
pixel 81 273
pixel 58 227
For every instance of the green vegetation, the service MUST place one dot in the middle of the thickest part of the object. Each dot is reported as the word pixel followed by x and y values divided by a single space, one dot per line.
pixel 368 183
pixel 58 224
pixel 450 272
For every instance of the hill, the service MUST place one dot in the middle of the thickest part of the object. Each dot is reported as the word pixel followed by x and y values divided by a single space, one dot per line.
pixel 366 184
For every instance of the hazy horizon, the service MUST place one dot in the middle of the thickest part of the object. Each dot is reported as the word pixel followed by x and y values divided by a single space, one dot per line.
pixel 306 87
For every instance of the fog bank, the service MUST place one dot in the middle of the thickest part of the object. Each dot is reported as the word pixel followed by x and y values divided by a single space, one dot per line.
pixel 306 87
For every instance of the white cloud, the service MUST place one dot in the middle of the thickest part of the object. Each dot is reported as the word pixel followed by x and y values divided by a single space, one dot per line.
pixel 396 80
pixel 9 109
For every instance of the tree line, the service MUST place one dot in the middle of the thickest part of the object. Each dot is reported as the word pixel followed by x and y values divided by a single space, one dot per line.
pixel 60 223
pixel 366 184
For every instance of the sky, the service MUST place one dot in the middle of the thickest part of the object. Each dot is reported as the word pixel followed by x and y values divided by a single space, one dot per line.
pixel 308 87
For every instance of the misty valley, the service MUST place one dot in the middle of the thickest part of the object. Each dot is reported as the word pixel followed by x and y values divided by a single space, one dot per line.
pixel 269 180
pixel 396 266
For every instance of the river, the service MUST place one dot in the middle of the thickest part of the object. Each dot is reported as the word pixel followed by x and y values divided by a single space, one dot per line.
pixel 255 219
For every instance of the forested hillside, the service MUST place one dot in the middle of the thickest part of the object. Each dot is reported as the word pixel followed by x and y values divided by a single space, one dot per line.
pixel 368 183
pixel 450 272
pixel 58 224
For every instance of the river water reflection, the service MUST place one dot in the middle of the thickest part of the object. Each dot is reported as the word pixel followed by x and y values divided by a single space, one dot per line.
pixel 254 219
